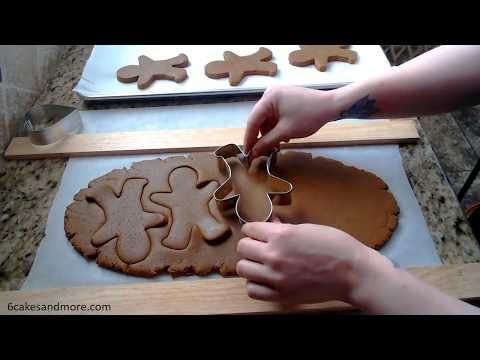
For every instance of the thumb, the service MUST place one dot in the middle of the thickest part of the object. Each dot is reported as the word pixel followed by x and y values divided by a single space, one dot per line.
pixel 267 142
pixel 275 219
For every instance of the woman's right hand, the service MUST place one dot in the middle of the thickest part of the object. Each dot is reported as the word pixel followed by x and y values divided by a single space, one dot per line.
pixel 284 113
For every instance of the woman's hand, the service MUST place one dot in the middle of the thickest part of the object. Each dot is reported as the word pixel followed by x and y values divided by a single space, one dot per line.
pixel 305 263
pixel 284 113
pixel 301 264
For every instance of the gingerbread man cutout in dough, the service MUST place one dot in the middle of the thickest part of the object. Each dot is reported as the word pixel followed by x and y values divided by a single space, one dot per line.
pixel 253 186
pixel 237 67
pixel 150 70
pixel 126 220
pixel 320 55
pixel 189 206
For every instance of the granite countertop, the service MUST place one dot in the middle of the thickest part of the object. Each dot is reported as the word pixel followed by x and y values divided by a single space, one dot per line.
pixel 27 189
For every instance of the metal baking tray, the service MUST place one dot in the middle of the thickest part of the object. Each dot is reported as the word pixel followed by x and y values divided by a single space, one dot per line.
pixel 99 82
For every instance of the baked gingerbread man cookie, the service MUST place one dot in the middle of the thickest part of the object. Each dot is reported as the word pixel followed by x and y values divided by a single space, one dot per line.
pixel 236 67
pixel 321 55
pixel 150 70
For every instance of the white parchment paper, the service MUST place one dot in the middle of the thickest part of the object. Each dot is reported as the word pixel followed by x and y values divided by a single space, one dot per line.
pixel 99 79
pixel 57 264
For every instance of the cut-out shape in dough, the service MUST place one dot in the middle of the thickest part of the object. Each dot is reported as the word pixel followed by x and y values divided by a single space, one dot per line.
pixel 125 219
pixel 237 67
pixel 115 180
pixel 321 55
pixel 189 206
pixel 158 171
pixel 253 187
pixel 150 70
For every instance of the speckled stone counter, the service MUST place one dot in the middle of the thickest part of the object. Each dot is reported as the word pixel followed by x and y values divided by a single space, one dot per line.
pixel 28 188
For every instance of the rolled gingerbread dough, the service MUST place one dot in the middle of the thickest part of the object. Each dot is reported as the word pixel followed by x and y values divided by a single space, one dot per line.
pixel 325 192
pixel 329 193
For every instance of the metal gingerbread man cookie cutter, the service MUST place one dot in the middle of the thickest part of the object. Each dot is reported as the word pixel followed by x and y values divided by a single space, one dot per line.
pixel 221 194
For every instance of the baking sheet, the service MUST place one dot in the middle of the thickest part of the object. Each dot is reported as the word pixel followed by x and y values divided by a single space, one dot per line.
pixel 57 264
pixel 99 82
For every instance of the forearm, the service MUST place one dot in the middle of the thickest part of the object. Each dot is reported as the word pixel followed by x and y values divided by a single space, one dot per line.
pixel 392 291
pixel 441 80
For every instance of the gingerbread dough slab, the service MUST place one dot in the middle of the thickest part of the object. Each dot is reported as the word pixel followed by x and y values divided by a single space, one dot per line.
pixel 237 67
pixel 330 193
pixel 321 55
pixel 160 215
pixel 149 70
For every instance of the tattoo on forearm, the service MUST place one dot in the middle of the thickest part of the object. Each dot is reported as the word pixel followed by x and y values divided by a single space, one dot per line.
pixel 361 109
